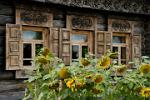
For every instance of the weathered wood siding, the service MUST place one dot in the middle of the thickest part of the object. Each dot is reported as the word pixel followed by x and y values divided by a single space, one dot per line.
pixel 7 15
pixel 146 38
pixel 10 89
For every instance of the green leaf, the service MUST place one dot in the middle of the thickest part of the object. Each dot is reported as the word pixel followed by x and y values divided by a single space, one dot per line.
pixel 47 76
pixel 31 79
pixel 40 96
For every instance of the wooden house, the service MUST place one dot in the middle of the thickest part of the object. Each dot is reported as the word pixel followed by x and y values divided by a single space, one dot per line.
pixel 71 28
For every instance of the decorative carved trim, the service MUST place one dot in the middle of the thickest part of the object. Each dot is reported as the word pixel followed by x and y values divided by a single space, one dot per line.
pixel 33 18
pixel 82 22
pixel 119 25
pixel 128 6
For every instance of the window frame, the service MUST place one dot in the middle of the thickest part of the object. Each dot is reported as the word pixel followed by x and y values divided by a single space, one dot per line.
pixel 81 43
pixel 127 44
pixel 33 42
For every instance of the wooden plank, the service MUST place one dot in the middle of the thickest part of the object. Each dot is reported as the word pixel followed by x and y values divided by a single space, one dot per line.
pixel 6 19
pixel 13 47
pixel 65 45
pixel 2 30
pixel 2 41
pixel 6 10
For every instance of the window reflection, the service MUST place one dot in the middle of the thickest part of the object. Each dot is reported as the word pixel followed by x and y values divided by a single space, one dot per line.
pixel 32 35
pixel 27 50
pixel 79 37
pixel 75 51
pixel 119 39
pixel 27 62
pixel 38 48
pixel 84 51
pixel 123 52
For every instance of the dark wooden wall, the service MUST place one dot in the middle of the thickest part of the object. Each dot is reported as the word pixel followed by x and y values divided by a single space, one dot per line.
pixel 146 46
pixel 7 15
pixel 10 89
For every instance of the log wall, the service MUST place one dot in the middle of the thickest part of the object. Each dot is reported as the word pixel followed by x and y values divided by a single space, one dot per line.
pixel 10 89
pixel 146 38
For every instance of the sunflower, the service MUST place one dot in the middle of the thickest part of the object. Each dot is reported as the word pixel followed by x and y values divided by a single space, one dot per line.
pixel 145 92
pixel 120 70
pixel 97 91
pixel 54 86
pixel 144 68
pixel 104 62
pixel 85 62
pixel 80 83
pixel 70 83
pixel 63 73
pixel 98 78
pixel 42 60
pixel 45 52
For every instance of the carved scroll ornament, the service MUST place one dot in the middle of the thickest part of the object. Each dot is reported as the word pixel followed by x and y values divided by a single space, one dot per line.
pixel 120 26
pixel 82 22
pixel 35 18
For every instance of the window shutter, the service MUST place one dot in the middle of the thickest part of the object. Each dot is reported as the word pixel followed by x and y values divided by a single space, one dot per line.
pixel 54 41
pixel 13 47
pixel 136 40
pixel 103 42
pixel 65 45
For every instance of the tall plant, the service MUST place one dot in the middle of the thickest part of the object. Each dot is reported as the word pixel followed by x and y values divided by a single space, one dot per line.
pixel 88 79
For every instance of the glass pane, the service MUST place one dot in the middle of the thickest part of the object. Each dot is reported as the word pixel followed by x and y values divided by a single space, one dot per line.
pixel 38 48
pixel 27 51
pixel 75 51
pixel 79 37
pixel 119 39
pixel 84 51
pixel 27 62
pixel 123 62
pixel 115 49
pixel 123 52
pixel 32 35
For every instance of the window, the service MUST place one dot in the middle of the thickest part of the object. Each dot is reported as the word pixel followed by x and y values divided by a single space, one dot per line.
pixel 81 44
pixel 33 40
pixel 120 44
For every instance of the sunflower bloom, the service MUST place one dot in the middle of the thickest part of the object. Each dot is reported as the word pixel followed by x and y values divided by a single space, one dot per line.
pixel 42 60
pixel 104 62
pixel 45 52
pixel 144 68
pixel 80 83
pixel 70 83
pixel 63 73
pixel 120 70
pixel 145 92
pixel 98 79
pixel 85 62
pixel 97 91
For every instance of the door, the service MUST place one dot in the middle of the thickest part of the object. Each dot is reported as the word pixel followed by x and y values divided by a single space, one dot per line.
pixel 121 44
pixel 81 44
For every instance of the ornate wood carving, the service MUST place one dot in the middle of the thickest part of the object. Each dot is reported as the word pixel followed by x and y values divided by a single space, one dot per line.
pixel 131 6
pixel 82 22
pixel 34 18
pixel 119 25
